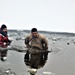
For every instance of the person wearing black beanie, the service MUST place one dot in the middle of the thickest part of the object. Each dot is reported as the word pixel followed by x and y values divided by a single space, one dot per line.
pixel 36 40
pixel 4 41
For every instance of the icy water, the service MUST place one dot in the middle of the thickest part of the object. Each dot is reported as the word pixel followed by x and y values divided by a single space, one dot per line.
pixel 61 61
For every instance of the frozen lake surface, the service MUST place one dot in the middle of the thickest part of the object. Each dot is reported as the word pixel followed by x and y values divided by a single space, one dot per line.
pixel 60 61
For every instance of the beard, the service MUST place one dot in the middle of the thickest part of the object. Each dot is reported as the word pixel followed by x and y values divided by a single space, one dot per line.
pixel 3 33
pixel 34 37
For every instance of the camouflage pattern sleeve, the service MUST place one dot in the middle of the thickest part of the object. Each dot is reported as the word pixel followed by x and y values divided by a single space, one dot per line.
pixel 27 42
pixel 45 43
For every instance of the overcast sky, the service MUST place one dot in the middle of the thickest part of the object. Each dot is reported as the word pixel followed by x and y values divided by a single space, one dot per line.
pixel 49 15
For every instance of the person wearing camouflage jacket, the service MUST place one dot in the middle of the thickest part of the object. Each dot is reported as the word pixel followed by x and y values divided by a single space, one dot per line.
pixel 36 41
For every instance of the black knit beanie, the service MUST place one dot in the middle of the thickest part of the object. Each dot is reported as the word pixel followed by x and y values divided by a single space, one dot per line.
pixel 33 30
pixel 3 26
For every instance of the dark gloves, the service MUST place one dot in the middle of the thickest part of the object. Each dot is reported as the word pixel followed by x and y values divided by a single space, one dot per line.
pixel 45 48
pixel 28 46
pixel 9 42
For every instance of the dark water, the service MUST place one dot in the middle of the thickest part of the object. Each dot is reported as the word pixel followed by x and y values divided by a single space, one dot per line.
pixel 61 61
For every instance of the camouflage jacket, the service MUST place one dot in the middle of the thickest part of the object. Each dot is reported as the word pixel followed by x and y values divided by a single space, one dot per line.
pixel 40 42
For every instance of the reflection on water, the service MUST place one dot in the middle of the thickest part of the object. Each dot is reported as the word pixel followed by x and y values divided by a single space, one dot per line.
pixel 36 60
pixel 3 55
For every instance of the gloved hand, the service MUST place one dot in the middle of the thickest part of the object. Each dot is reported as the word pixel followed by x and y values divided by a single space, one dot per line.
pixel 28 46
pixel 45 48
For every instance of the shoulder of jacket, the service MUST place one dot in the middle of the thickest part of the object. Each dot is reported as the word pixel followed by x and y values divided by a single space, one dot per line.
pixel 41 36
pixel 28 36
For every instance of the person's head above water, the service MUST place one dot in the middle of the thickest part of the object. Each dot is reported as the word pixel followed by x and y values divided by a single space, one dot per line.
pixel 3 28
pixel 34 32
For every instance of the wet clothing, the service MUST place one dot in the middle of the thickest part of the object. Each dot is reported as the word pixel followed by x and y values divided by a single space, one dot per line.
pixel 40 42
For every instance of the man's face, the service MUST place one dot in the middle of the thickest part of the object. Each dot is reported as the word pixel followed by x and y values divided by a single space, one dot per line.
pixel 5 30
pixel 34 34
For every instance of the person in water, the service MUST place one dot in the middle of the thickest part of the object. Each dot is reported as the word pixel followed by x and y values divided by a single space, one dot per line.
pixel 35 41
pixel 4 42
